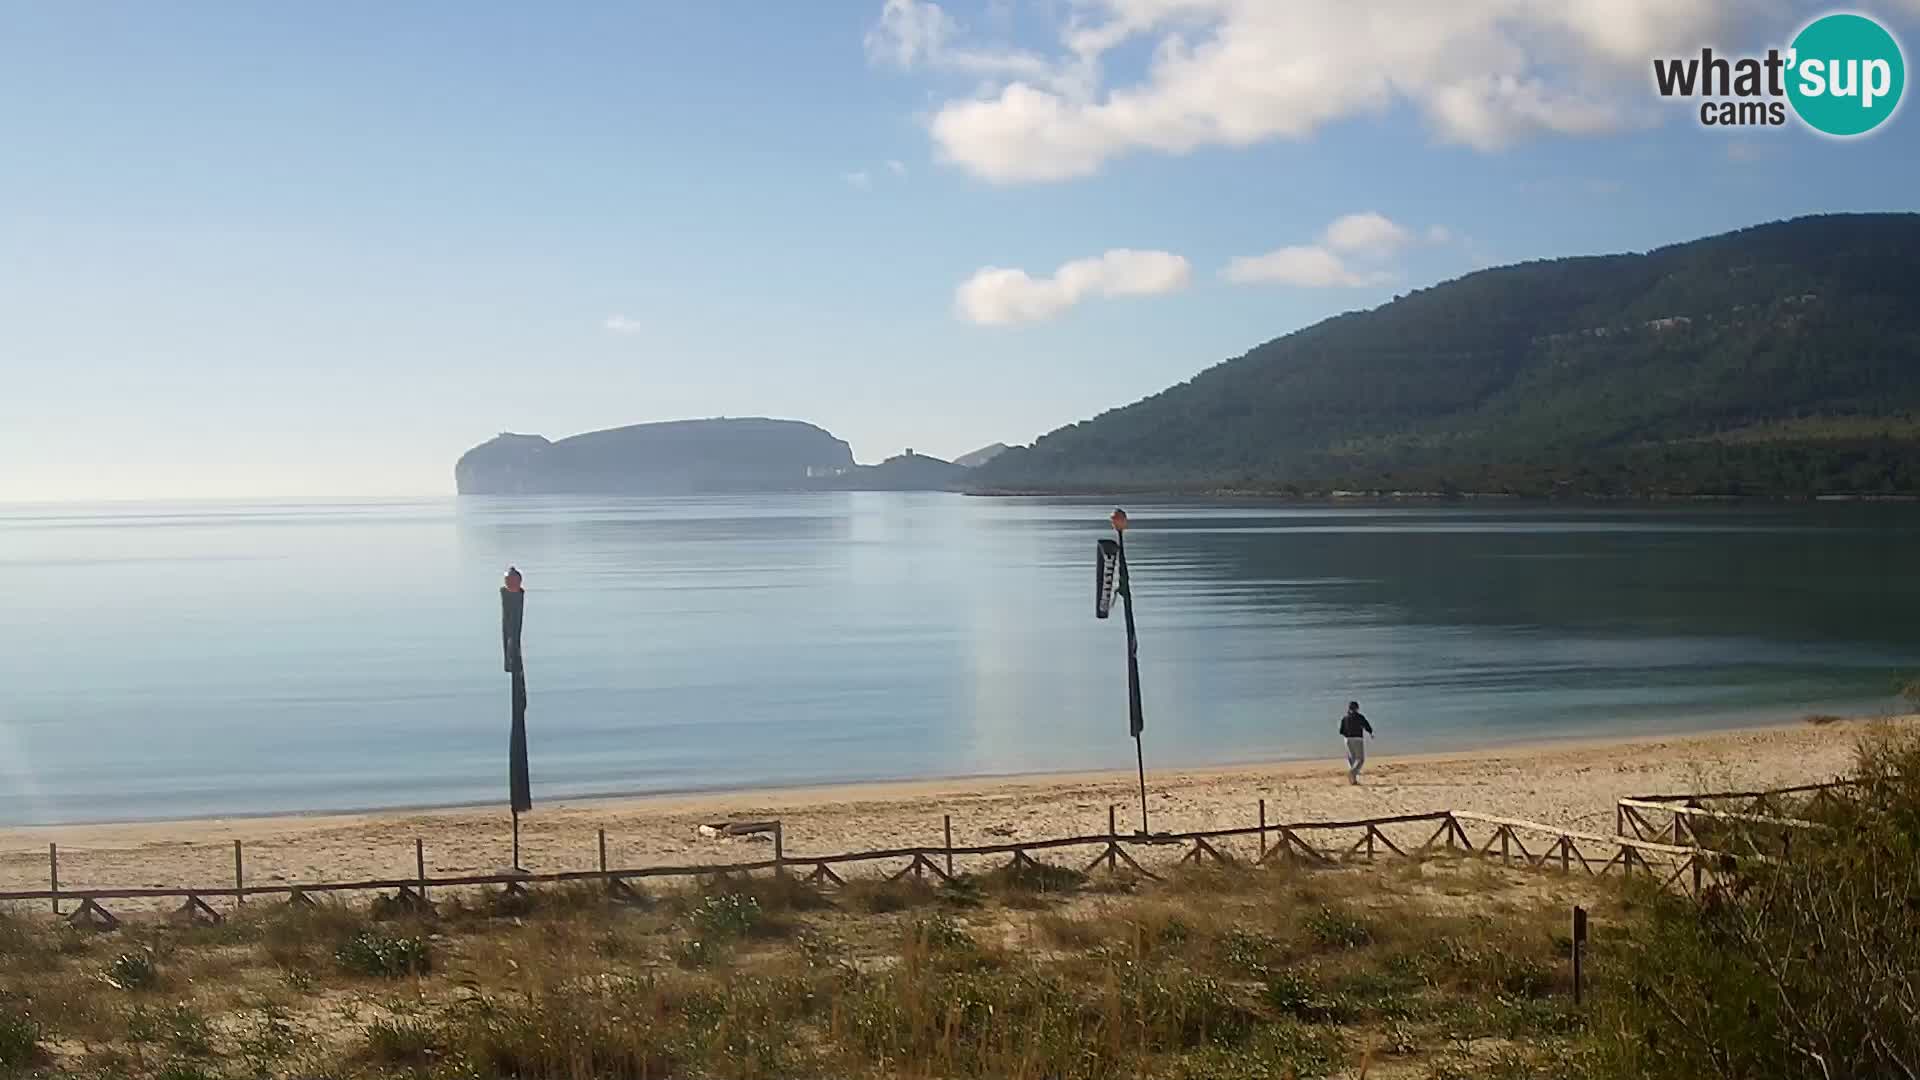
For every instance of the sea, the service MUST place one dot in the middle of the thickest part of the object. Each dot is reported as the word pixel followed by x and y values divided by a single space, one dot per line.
pixel 175 660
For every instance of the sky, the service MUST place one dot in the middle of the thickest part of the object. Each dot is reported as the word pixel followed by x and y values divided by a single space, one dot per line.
pixel 318 250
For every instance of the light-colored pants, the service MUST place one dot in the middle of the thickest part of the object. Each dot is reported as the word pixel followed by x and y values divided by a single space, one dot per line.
pixel 1356 757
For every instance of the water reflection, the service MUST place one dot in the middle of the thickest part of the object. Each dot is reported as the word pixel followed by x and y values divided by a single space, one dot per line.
pixel 223 659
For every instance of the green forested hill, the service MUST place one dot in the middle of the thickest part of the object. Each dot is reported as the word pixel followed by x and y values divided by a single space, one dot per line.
pixel 1782 359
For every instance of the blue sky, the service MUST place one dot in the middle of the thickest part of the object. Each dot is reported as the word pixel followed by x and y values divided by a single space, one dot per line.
pixel 266 250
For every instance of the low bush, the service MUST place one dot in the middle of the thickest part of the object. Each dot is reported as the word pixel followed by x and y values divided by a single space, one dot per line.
pixel 1337 928
pixel 133 971
pixel 19 1040
pixel 376 954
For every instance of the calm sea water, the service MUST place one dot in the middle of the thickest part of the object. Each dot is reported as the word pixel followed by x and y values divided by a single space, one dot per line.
pixel 179 660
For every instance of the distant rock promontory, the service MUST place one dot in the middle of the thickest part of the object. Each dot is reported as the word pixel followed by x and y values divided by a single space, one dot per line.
pixel 689 457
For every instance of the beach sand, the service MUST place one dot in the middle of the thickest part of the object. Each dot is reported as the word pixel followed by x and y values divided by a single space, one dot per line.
pixel 1571 784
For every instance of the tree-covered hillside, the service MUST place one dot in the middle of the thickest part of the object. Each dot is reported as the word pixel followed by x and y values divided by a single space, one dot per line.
pixel 1782 359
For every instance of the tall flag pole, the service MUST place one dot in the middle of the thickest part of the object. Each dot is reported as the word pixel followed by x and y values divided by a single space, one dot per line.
pixel 1111 579
pixel 513 608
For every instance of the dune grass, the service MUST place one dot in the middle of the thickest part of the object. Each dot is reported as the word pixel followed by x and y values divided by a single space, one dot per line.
pixel 1018 973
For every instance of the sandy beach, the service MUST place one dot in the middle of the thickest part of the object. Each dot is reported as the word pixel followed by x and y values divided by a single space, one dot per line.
pixel 1572 784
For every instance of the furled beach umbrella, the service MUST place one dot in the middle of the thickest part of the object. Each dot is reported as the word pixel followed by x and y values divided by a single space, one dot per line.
pixel 1110 580
pixel 513 608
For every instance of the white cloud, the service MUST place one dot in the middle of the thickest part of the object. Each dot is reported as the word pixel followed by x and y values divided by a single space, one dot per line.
pixel 620 324
pixel 995 296
pixel 1482 73
pixel 1308 266
pixel 917 33
pixel 1369 237
pixel 1370 234
pixel 908 33
pixel 859 178
pixel 897 168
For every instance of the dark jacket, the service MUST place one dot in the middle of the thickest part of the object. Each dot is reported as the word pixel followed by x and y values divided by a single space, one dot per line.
pixel 1353 724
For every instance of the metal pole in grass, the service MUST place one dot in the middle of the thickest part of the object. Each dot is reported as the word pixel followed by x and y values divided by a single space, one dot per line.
pixel 239 877
pixel 947 825
pixel 53 874
pixel 1111 579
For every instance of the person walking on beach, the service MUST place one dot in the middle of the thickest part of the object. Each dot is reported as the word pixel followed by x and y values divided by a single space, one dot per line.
pixel 1355 729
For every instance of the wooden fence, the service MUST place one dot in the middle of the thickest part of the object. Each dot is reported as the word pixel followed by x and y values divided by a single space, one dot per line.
pixel 1314 843
pixel 1761 822
pixel 1765 803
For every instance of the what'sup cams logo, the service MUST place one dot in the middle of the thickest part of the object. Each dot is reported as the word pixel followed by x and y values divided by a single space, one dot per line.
pixel 1842 76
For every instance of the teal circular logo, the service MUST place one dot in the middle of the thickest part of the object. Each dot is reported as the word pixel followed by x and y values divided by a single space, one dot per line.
pixel 1845 74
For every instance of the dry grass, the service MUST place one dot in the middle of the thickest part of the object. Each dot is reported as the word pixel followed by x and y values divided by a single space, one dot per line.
pixel 1023 973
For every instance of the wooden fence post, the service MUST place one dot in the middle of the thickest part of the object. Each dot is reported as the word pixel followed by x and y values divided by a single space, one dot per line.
pixel 239 877
pixel 779 849
pixel 1263 828
pixel 947 825
pixel 53 874
pixel 1579 950
pixel 420 865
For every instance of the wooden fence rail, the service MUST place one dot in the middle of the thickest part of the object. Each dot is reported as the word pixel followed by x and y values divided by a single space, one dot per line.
pixel 1758 803
pixel 1683 823
pixel 1686 866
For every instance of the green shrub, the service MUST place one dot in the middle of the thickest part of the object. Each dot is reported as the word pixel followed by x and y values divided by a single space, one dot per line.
pixel 727 915
pixel 19 1040
pixel 376 954
pixel 1801 966
pixel 1296 994
pixel 695 954
pixel 1337 929
pixel 133 971
pixel 1248 953
pixel 939 933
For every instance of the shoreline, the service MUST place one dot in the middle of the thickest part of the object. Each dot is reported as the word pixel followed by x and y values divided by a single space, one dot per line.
pixel 1345 496
pixel 895 788
pixel 1571 783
